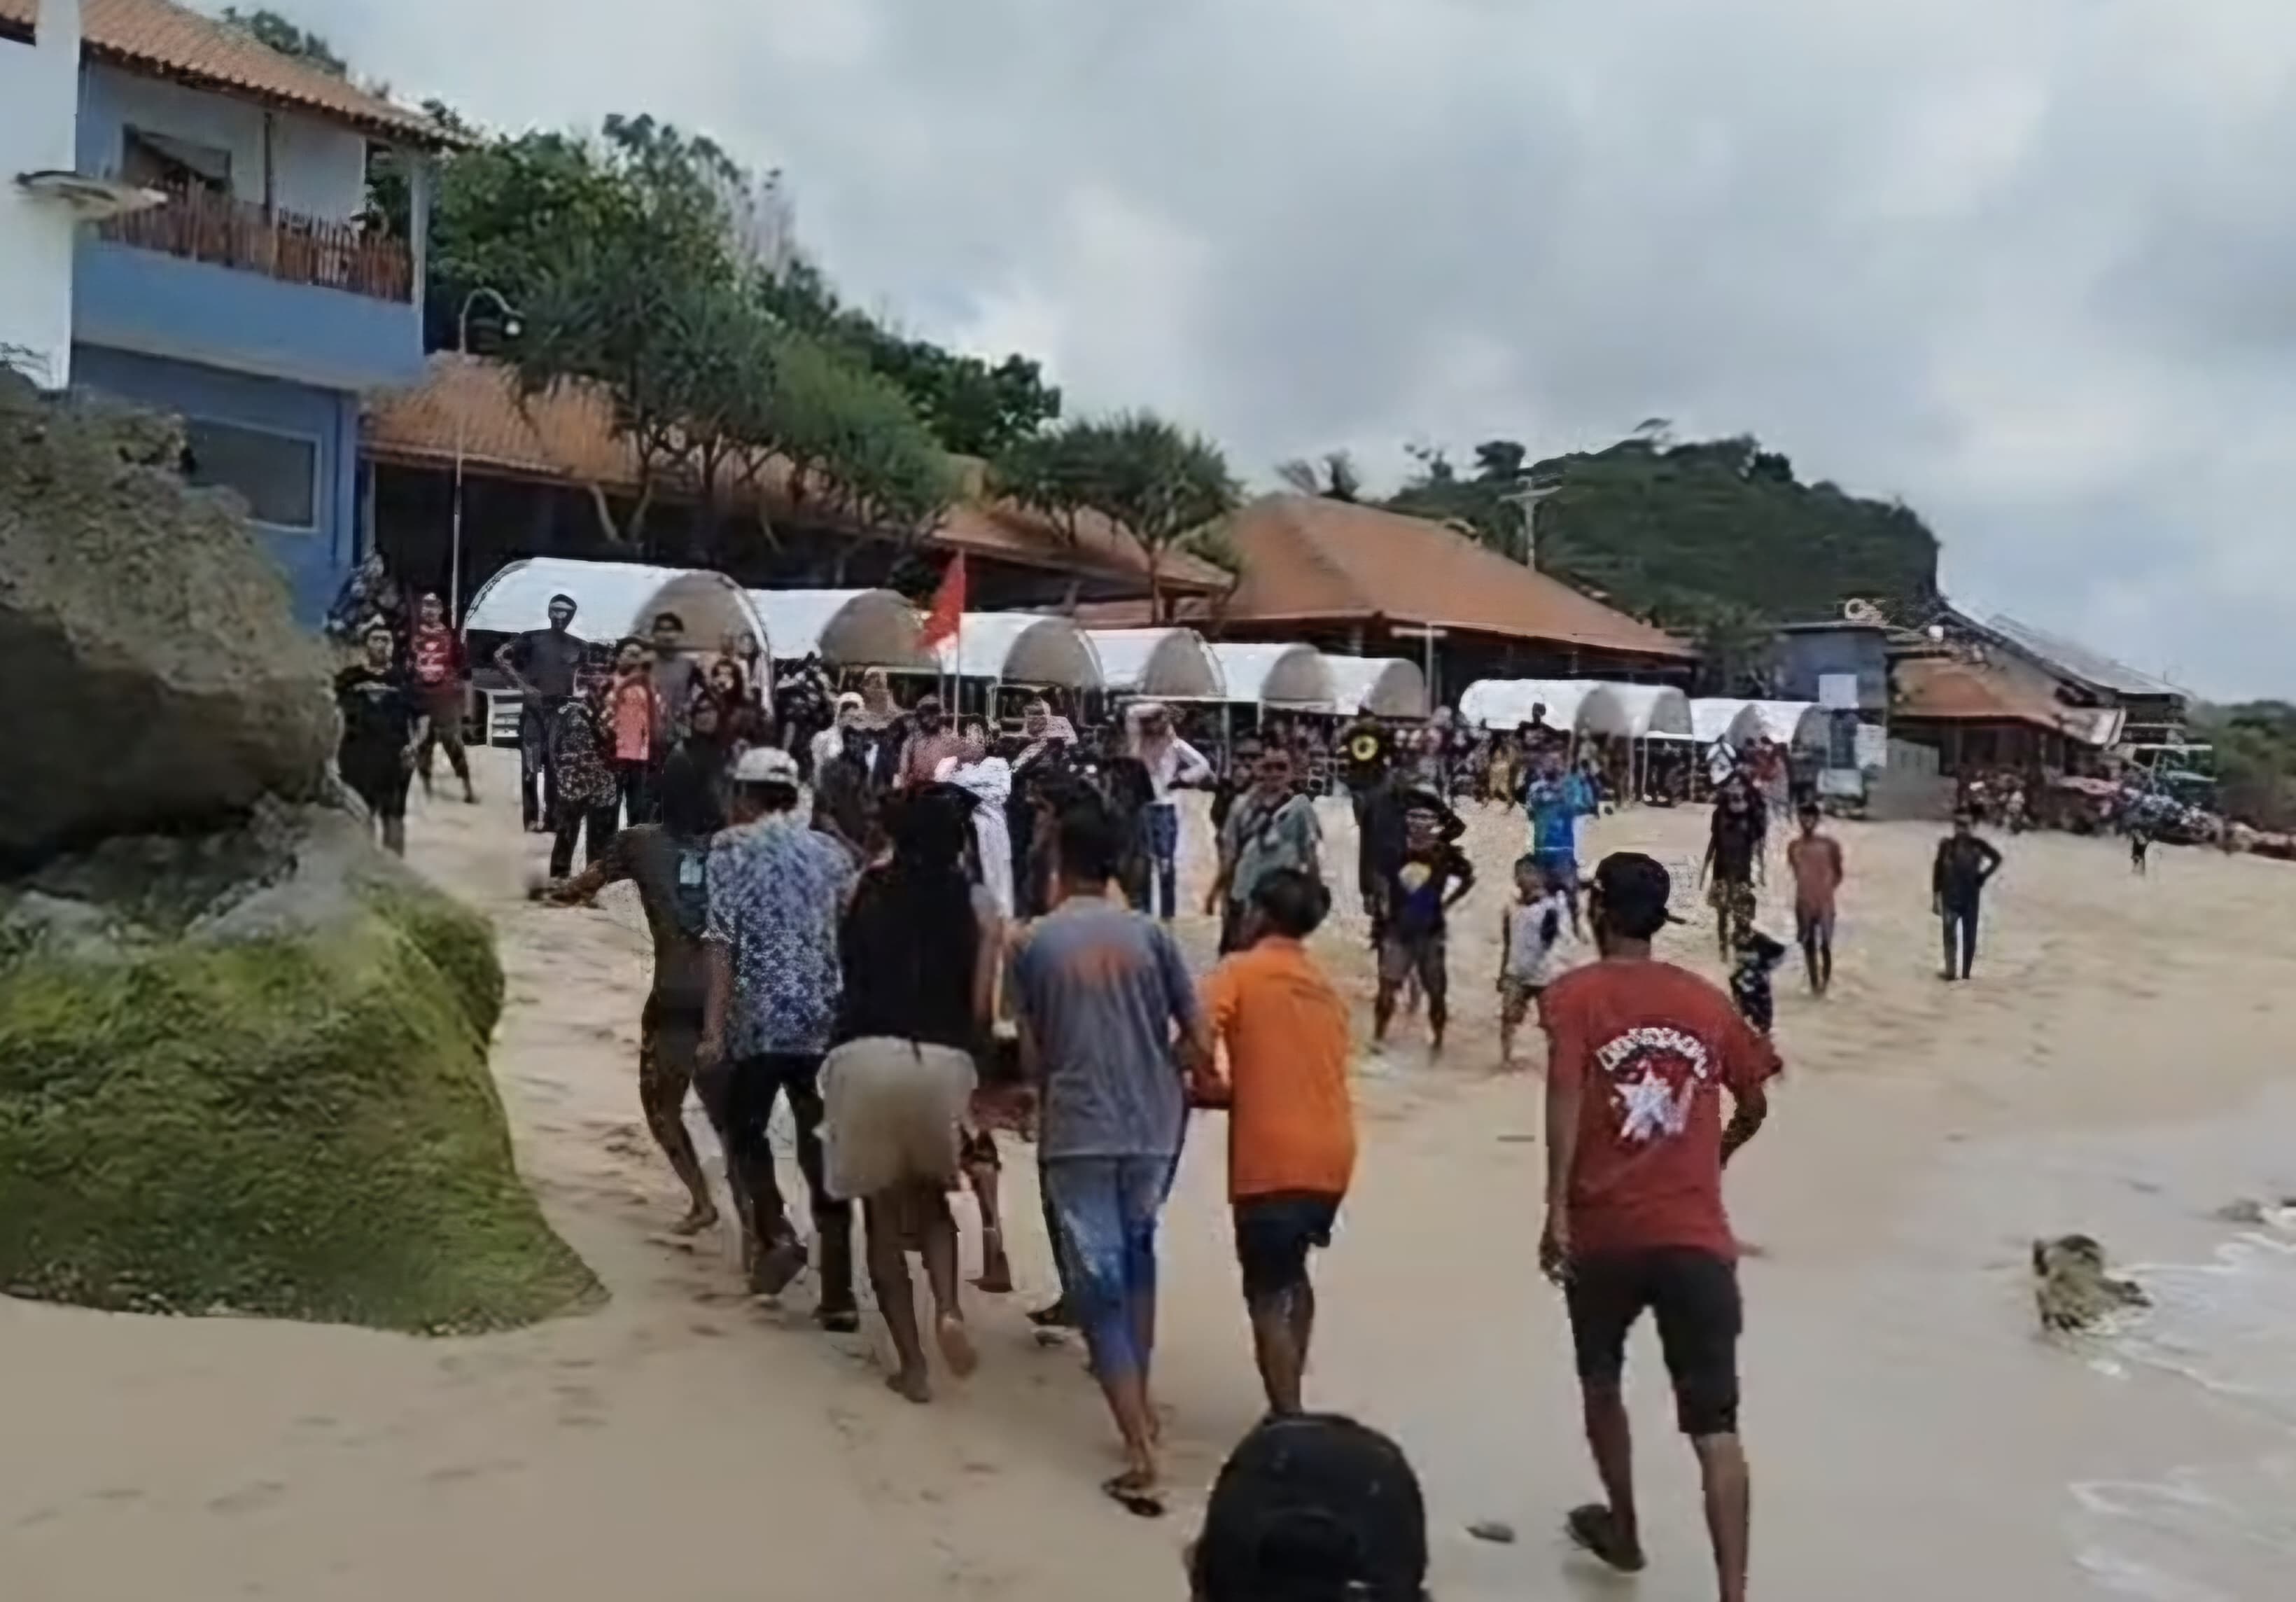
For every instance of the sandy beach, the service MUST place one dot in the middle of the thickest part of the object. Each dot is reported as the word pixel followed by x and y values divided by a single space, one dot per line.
pixel 2118 1065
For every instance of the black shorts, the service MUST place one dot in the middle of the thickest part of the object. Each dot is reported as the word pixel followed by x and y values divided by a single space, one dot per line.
pixel 1274 1235
pixel 1694 1296
pixel 381 784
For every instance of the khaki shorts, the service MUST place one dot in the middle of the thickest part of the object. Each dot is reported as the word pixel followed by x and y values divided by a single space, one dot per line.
pixel 1517 998
pixel 894 1113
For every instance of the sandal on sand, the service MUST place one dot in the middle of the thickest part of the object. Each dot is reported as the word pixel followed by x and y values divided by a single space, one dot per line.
pixel 1136 1493
pixel 1592 1528
pixel 955 1343
pixel 1057 1316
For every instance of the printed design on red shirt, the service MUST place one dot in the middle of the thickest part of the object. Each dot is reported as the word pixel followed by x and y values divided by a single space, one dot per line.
pixel 1655 1074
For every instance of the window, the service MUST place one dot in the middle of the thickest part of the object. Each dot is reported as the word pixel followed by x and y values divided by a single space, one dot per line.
pixel 178 166
pixel 277 475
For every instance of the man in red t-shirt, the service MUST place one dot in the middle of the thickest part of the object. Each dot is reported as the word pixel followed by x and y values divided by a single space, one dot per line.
pixel 442 678
pixel 1639 1053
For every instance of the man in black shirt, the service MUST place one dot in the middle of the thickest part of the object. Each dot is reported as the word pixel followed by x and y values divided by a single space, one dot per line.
pixel 1965 865
pixel 1733 863
pixel 541 663
pixel 1421 886
pixel 382 723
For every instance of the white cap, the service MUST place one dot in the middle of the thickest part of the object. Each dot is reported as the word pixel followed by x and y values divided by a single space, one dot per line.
pixel 765 765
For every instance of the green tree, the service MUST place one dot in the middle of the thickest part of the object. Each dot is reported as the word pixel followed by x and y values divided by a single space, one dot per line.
pixel 2255 749
pixel 1166 487
pixel 268 28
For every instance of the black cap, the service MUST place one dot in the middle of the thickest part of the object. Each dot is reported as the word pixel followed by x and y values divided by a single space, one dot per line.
pixel 1313 1506
pixel 1633 891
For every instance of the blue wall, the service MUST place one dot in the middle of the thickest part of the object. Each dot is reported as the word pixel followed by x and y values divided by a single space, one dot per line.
pixel 194 311
pixel 314 560
pixel 1805 655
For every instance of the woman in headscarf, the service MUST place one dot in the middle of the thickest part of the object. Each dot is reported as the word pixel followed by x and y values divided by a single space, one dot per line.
pixel 919 956
pixel 988 779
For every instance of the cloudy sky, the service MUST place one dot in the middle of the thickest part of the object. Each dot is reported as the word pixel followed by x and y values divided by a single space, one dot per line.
pixel 2030 264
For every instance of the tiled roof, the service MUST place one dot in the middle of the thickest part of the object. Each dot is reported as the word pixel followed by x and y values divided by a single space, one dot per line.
pixel 566 435
pixel 1310 558
pixel 1946 690
pixel 159 38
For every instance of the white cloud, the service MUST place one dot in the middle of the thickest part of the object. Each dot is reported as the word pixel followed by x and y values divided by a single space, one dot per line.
pixel 2029 264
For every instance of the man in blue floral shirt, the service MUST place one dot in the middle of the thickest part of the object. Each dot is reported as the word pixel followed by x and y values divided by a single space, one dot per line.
pixel 777 890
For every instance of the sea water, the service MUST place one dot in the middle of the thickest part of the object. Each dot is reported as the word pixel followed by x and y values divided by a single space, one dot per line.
pixel 2202 1532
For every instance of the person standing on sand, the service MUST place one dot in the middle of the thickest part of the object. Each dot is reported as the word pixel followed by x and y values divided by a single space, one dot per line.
pixel 1431 877
pixel 1529 932
pixel 777 891
pixel 1965 865
pixel 1556 800
pixel 1109 1023
pixel 634 721
pixel 383 725
pixel 1734 864
pixel 1814 859
pixel 581 781
pixel 668 862
pixel 1271 825
pixel 1291 1132
pixel 1639 1052
pixel 442 678
pixel 543 665
pixel 919 964
pixel 1172 764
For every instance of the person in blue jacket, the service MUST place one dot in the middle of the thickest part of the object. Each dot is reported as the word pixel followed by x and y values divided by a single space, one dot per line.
pixel 1557 797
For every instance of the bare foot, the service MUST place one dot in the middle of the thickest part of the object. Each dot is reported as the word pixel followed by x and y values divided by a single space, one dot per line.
pixel 699 1217
pixel 956 1344
pixel 910 1387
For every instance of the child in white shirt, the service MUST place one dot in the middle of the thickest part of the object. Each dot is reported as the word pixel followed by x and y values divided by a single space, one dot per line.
pixel 1529 932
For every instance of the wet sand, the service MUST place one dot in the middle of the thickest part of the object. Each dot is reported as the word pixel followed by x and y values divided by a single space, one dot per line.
pixel 2110 1070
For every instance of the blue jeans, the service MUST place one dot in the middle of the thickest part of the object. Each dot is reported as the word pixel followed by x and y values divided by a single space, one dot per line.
pixel 1106 1209
pixel 1160 842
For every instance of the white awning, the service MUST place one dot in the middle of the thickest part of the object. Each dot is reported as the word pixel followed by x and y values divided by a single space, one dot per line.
pixel 1731 722
pixel 1385 686
pixel 1786 722
pixel 1651 708
pixel 1169 664
pixel 614 600
pixel 1022 647
pixel 845 628
pixel 1581 706
pixel 1287 676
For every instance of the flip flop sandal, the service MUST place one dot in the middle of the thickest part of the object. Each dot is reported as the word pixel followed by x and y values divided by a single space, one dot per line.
pixel 1141 1501
pixel 1593 1530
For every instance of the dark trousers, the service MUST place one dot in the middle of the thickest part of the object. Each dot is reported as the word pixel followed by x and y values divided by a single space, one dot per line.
pixel 633 785
pixel 740 1101
pixel 1959 922
pixel 570 821
pixel 1160 845
pixel 444 704
pixel 537 786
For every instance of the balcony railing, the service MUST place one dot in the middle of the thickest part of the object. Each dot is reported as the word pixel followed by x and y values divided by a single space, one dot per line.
pixel 200 226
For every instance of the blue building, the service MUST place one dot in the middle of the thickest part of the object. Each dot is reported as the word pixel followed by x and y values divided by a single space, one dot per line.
pixel 264 294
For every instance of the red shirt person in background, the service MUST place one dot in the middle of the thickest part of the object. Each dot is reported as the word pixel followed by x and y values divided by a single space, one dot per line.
pixel 442 681
pixel 1640 1053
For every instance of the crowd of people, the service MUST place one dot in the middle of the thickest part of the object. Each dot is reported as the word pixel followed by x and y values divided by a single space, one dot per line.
pixel 928 934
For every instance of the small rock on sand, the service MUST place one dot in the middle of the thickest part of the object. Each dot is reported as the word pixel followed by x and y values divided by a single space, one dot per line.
pixel 1497 1532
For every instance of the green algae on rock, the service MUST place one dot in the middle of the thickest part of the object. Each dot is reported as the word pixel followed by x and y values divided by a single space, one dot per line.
pixel 289 1118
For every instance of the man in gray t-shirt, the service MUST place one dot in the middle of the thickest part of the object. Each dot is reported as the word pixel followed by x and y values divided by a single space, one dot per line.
pixel 1108 1021
pixel 1101 988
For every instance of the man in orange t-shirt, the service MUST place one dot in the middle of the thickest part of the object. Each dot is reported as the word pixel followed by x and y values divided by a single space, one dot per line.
pixel 1639 1054
pixel 1291 1131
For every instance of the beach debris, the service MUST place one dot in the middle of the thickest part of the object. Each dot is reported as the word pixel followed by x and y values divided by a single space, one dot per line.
pixel 1495 1530
pixel 2070 1287
pixel 2246 1210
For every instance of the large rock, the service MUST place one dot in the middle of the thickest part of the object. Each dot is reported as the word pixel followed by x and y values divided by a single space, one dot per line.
pixel 156 679
pixel 247 1072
